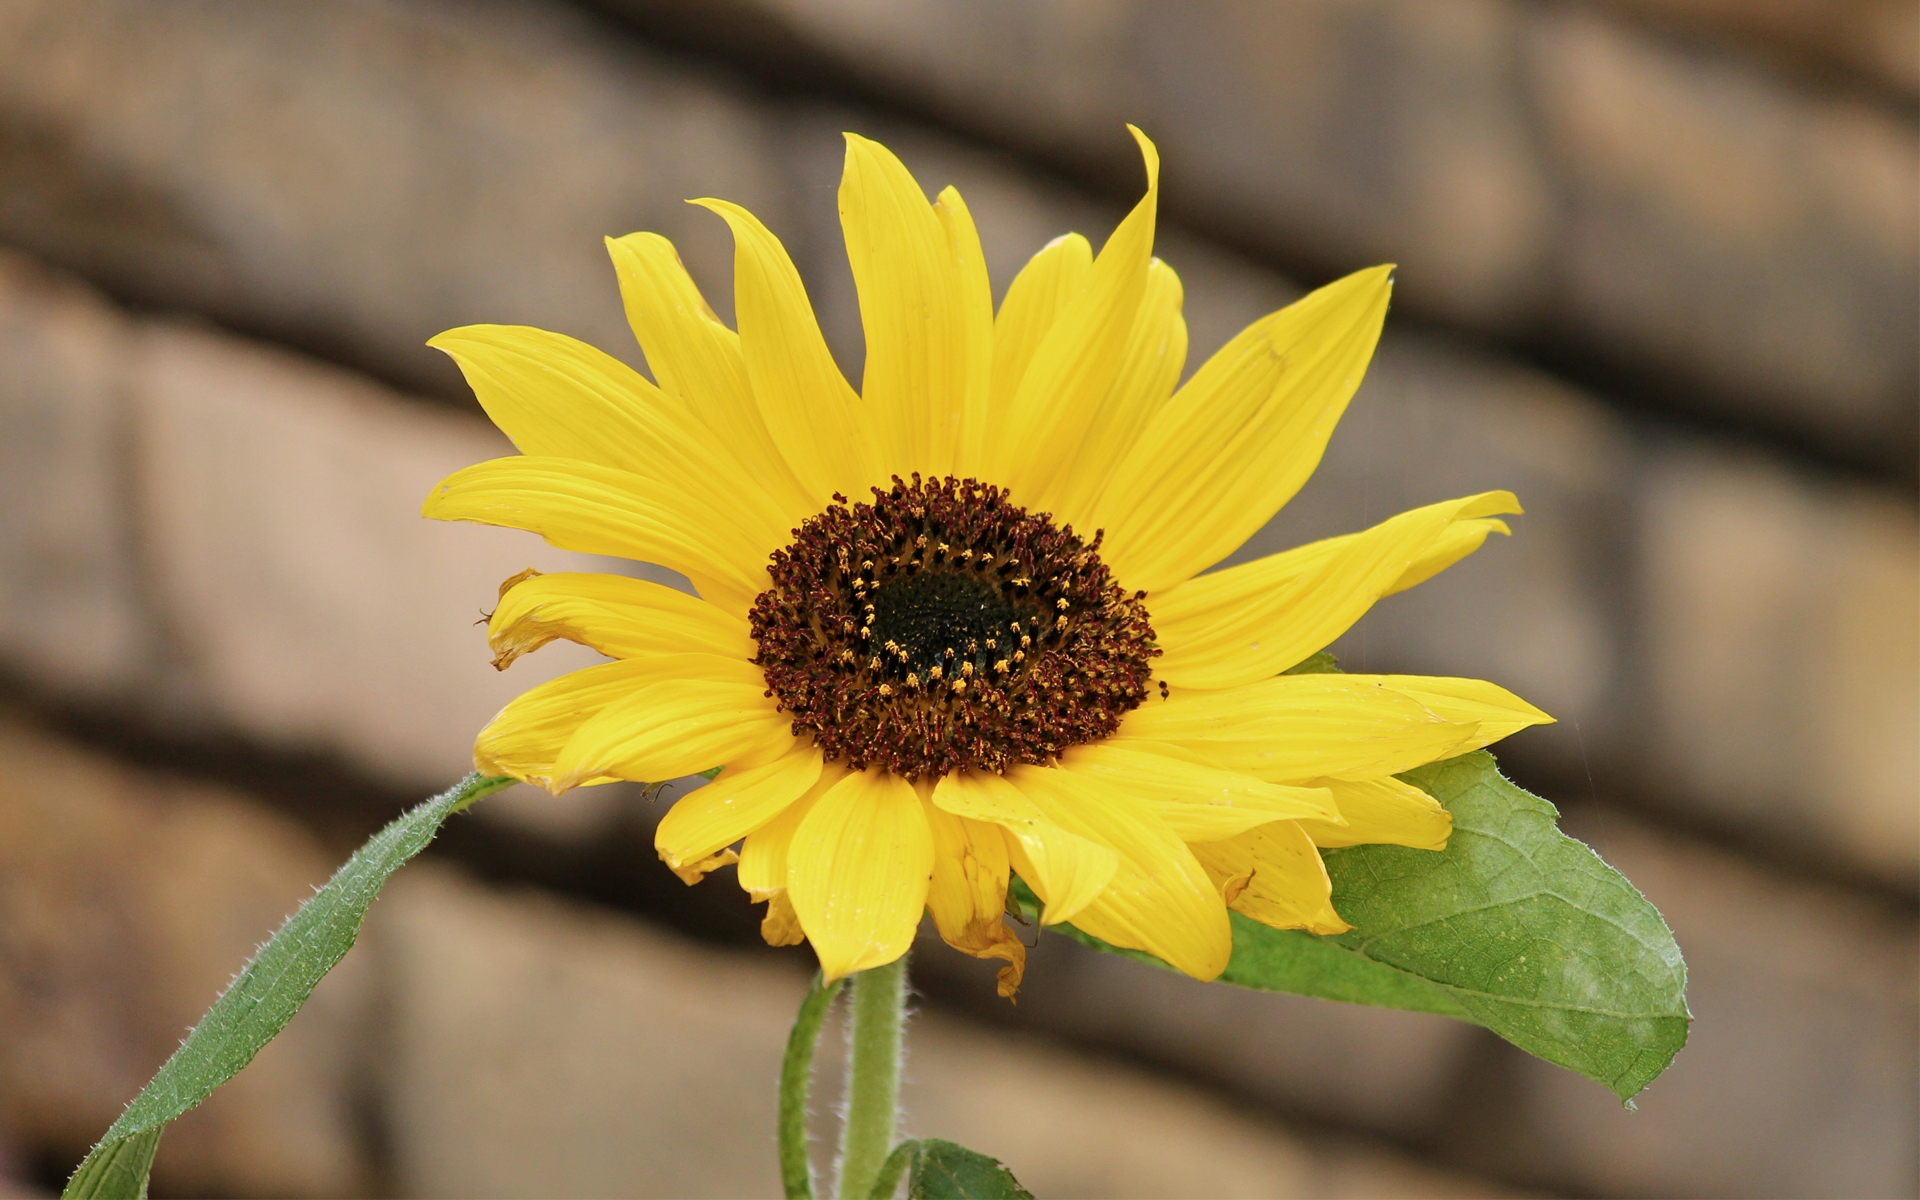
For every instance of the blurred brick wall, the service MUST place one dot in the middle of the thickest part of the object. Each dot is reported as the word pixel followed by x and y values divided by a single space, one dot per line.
pixel 1658 275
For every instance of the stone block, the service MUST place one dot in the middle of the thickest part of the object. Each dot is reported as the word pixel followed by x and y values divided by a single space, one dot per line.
pixel 1735 231
pixel 1541 612
pixel 1781 650
pixel 1798 1077
pixel 309 605
pixel 127 902
pixel 1074 1126
pixel 494 1043
pixel 1373 1069
pixel 216 536
pixel 307 655
pixel 1730 240
pixel 1858 41
pixel 69 567
pixel 535 1049
pixel 354 179
pixel 272 578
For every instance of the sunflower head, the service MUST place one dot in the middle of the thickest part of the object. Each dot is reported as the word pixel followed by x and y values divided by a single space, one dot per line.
pixel 955 625
pixel 944 628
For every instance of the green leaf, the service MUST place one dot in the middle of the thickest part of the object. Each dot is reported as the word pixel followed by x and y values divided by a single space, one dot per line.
pixel 940 1170
pixel 1315 664
pixel 1514 926
pixel 259 1003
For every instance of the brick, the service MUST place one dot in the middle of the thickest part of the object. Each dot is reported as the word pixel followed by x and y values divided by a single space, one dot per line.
pixel 70 581
pixel 1737 242
pixel 1729 619
pixel 1781 649
pixel 358 178
pixel 536 1049
pixel 244 612
pixel 1549 613
pixel 506 1044
pixel 127 902
pixel 217 536
pixel 1367 1068
pixel 310 605
pixel 1862 41
pixel 1733 230
pixel 1540 612
pixel 1798 1077
pixel 1538 174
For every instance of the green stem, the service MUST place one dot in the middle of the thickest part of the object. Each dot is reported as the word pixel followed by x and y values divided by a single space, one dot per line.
pixel 873 1077
pixel 896 1165
pixel 796 1075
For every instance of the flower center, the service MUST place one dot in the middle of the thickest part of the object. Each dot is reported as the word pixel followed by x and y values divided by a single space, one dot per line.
pixel 941 628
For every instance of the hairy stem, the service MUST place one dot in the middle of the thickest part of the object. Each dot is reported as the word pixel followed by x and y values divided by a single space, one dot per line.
pixel 873 1077
pixel 796 1076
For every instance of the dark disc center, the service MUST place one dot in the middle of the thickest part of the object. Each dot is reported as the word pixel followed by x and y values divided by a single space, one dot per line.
pixel 939 618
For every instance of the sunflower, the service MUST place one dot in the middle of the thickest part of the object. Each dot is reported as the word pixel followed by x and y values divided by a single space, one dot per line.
pixel 955 625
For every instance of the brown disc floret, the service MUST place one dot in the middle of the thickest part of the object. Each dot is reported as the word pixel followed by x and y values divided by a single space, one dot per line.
pixel 943 628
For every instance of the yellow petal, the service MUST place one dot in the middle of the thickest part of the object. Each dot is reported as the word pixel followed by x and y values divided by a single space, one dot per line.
pixel 781 925
pixel 1042 290
pixel 525 738
pixel 1454 543
pixel 910 307
pixel 1155 353
pixel 1498 711
pixel 1240 438
pixel 858 871
pixel 1278 878
pixel 722 812
pixel 1231 627
pixel 1160 899
pixel 1065 870
pixel 1382 810
pixel 1077 361
pixel 599 510
pixel 1297 728
pixel 976 318
pixel 557 397
pixel 813 415
pixel 697 359
pixel 1198 803
pixel 618 616
pixel 692 871
pixel 673 728
pixel 968 893
pixel 763 856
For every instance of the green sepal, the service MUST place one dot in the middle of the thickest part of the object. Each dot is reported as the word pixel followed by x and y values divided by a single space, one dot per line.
pixel 1514 926
pixel 264 997
pixel 942 1170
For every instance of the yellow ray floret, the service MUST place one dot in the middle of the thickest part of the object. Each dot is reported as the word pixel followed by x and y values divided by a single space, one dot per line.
pixel 888 655
pixel 1248 622
pixel 858 870
pixel 616 615
pixel 967 895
